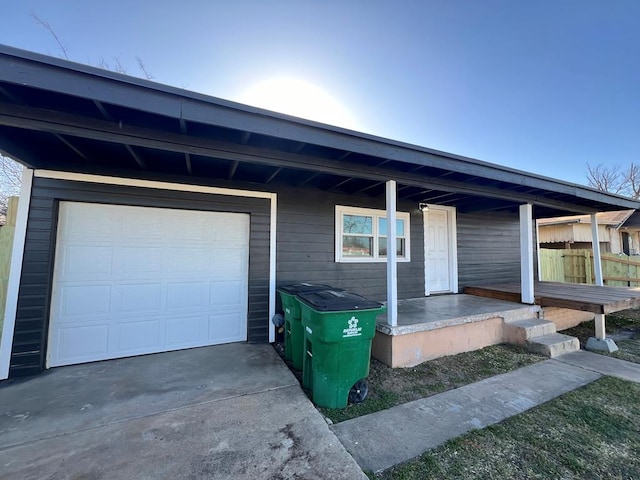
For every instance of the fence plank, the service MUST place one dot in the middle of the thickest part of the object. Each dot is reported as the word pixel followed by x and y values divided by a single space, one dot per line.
pixel 577 266
pixel 6 245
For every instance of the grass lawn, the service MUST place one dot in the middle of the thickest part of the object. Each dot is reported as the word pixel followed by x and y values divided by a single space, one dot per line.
pixel 590 433
pixel 393 386
pixel 623 327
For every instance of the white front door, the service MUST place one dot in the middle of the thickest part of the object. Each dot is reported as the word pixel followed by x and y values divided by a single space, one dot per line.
pixel 135 280
pixel 439 249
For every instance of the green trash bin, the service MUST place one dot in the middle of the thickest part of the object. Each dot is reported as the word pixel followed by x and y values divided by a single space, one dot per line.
pixel 293 332
pixel 338 329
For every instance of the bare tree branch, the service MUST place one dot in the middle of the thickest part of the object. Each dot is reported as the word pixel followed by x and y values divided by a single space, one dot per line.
pixel 49 28
pixel 614 179
pixel 10 181
pixel 633 179
pixel 606 178
pixel 144 69
pixel 118 66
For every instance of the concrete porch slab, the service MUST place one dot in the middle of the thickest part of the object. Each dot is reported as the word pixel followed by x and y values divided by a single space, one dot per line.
pixel 436 326
pixel 431 313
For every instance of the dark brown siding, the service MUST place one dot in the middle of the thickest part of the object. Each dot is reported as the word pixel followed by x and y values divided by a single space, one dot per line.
pixel 488 249
pixel 31 329
pixel 306 246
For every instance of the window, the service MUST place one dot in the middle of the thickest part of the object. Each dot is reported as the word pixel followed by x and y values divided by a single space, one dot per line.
pixel 361 235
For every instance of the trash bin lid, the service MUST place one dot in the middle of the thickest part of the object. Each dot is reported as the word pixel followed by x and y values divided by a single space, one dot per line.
pixel 335 301
pixel 304 287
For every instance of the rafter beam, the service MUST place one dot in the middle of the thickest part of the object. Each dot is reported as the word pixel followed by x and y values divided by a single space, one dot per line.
pixel 187 161
pixel 369 187
pixel 308 179
pixel 244 139
pixel 71 146
pixel 340 183
pixel 102 110
pixel 298 147
pixel 273 175
pixel 135 156
pixel 69 124
pixel 233 168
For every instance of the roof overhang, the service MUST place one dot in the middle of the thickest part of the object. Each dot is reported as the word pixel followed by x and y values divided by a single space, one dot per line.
pixel 58 115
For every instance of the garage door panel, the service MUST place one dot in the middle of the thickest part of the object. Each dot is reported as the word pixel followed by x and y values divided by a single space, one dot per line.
pixel 191 261
pixel 82 343
pixel 134 280
pixel 228 294
pixel 101 222
pixel 226 327
pixel 137 336
pixel 149 228
pixel 139 261
pixel 140 298
pixel 84 300
pixel 229 261
pixel 82 259
pixel 185 331
pixel 187 295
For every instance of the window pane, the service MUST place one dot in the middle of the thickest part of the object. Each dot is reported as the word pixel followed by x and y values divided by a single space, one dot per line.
pixel 357 246
pixel 357 224
pixel 382 247
pixel 382 227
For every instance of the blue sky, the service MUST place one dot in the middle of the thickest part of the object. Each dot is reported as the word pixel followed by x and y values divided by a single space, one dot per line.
pixel 543 86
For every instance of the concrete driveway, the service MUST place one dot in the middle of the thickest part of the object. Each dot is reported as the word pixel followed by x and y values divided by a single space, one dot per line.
pixel 229 411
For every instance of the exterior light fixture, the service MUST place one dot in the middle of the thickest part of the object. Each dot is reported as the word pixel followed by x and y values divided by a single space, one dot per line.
pixel 423 207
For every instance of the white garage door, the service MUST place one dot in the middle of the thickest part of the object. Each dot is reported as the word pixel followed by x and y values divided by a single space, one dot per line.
pixel 135 280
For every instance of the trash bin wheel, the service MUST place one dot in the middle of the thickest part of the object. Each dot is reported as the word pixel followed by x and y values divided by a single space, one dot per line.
pixel 359 391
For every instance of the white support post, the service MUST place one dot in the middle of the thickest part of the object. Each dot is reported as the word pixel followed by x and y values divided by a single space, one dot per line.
pixel 539 262
pixel 392 264
pixel 600 326
pixel 597 268
pixel 597 259
pixel 526 254
pixel 599 342
pixel 272 265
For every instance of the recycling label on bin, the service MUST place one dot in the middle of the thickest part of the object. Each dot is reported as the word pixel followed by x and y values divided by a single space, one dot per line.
pixel 353 330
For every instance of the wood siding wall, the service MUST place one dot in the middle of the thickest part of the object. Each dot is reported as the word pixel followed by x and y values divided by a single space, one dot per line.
pixel 31 329
pixel 306 246
pixel 488 249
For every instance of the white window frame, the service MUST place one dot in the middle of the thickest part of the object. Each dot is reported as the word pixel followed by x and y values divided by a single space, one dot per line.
pixel 342 210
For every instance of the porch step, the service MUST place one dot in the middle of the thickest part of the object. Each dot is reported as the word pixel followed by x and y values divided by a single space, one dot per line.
pixel 520 331
pixel 554 344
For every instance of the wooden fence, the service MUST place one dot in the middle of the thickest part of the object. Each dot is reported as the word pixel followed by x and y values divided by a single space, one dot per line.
pixel 576 266
pixel 6 244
